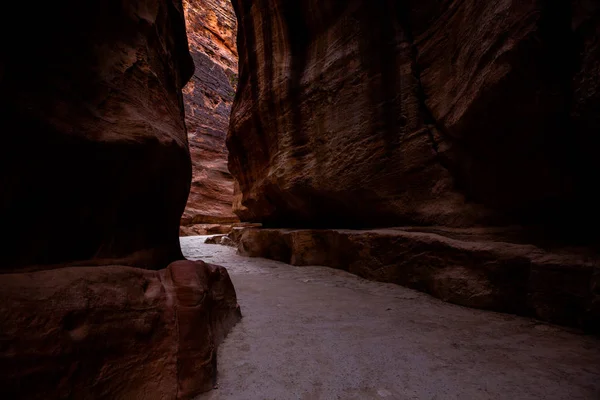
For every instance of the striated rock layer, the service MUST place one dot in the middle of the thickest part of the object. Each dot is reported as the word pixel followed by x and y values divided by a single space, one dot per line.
pixel 95 170
pixel 211 30
pixel 455 113
pixel 480 268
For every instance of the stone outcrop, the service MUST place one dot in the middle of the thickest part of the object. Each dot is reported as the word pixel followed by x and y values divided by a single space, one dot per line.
pixel 456 113
pixel 114 332
pixel 95 172
pixel 212 229
pixel 204 229
pixel 477 268
pixel 211 30
pixel 94 163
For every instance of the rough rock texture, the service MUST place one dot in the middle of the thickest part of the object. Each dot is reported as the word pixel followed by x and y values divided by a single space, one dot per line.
pixel 471 267
pixel 204 229
pixel 211 27
pixel 213 229
pixel 455 112
pixel 94 162
pixel 95 170
pixel 224 240
pixel 113 332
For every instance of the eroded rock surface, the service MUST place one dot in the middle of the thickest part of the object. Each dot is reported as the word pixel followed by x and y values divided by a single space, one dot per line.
pixel 95 171
pixel 94 162
pixel 114 332
pixel 456 113
pixel 472 267
pixel 211 27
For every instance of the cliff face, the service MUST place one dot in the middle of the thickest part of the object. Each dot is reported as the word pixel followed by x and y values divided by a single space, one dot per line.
pixel 95 171
pixel 94 163
pixel 454 113
pixel 211 27
pixel 478 118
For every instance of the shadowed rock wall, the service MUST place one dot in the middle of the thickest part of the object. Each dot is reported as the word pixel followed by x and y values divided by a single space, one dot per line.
pixel 94 175
pixel 481 116
pixel 94 163
pixel 456 113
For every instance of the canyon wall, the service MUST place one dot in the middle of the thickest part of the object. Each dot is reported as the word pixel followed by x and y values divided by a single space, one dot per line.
pixel 94 163
pixel 456 113
pixel 95 172
pixel 211 30
pixel 471 125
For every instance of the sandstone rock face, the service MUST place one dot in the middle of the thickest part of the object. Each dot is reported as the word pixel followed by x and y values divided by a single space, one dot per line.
pixel 114 332
pixel 212 229
pixel 204 229
pixel 94 163
pixel 211 27
pixel 480 268
pixel 95 170
pixel 456 113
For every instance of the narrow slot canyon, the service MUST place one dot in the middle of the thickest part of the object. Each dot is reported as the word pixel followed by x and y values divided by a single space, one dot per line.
pixel 208 96
pixel 231 199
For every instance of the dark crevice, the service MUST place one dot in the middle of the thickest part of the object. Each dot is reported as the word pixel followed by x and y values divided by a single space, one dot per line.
pixel 248 75
pixel 298 36
pixel 381 71
pixel 267 59
pixel 403 14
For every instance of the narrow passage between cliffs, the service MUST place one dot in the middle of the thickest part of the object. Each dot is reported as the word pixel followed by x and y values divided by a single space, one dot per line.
pixel 320 333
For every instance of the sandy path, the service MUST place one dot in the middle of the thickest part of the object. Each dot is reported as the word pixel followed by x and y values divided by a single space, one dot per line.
pixel 319 333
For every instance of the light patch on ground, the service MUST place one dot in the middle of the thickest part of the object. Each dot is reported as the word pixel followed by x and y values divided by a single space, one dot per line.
pixel 320 333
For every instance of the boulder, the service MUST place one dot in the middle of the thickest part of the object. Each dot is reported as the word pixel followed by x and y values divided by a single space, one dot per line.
pixel 223 240
pixel 114 332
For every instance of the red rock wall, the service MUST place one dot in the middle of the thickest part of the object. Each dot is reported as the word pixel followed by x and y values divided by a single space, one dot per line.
pixel 458 112
pixel 211 27
pixel 94 161
pixel 94 171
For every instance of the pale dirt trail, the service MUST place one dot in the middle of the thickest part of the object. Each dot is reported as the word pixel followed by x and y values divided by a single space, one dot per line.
pixel 320 333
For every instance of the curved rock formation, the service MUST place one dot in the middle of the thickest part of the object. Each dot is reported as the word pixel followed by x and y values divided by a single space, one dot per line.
pixel 453 114
pixel 357 114
pixel 95 171
pixel 211 27
pixel 114 332
pixel 94 162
